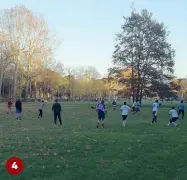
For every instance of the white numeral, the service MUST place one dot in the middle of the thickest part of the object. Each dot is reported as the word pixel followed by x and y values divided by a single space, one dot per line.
pixel 14 166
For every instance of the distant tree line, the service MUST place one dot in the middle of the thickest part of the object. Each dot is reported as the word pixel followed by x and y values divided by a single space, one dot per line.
pixel 143 62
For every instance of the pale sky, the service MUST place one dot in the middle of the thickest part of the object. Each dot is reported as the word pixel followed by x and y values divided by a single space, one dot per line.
pixel 87 27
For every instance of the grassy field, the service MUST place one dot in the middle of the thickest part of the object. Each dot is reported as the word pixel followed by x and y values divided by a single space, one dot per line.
pixel 80 151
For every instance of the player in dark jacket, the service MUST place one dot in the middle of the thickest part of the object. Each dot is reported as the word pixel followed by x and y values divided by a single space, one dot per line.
pixel 18 106
pixel 57 112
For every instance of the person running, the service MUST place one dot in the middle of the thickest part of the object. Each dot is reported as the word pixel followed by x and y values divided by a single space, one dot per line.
pixel 10 103
pixel 18 106
pixel 124 112
pixel 174 117
pixel 133 106
pixel 114 104
pixel 181 109
pixel 101 110
pixel 56 108
pixel 136 107
pixel 155 107
pixel 41 109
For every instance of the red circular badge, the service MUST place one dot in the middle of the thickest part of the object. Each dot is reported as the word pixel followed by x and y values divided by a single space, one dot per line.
pixel 14 165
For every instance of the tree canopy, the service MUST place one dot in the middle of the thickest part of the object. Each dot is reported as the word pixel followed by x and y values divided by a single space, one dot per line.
pixel 143 47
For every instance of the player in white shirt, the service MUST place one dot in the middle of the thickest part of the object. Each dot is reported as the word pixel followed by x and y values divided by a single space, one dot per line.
pixel 174 117
pixel 155 107
pixel 41 109
pixel 124 112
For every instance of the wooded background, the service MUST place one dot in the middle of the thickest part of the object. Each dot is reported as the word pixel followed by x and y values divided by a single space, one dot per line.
pixel 143 62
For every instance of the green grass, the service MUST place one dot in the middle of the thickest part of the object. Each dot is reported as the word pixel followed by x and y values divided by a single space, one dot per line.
pixel 79 151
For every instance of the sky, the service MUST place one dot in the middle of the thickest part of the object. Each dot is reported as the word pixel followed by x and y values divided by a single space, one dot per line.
pixel 87 27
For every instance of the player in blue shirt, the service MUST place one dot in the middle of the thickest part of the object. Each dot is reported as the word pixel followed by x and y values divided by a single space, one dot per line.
pixel 181 109
pixel 136 107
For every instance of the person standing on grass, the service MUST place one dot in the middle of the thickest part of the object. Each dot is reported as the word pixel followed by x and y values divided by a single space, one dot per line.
pixel 174 117
pixel 18 106
pixel 181 109
pixel 114 104
pixel 10 106
pixel 155 107
pixel 101 110
pixel 124 112
pixel 56 108
pixel 41 109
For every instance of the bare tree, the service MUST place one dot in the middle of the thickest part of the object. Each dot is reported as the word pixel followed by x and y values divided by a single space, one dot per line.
pixel 30 42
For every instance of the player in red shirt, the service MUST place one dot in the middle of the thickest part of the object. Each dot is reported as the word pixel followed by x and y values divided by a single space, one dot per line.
pixel 10 106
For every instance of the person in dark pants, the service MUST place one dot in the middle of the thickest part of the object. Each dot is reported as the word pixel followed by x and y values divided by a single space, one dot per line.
pixel 57 112
pixel 174 117
pixel 114 104
pixel 41 109
pixel 18 106
pixel 101 111
pixel 181 109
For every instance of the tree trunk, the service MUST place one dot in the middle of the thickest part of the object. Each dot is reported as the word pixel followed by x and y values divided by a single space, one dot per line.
pixel 1 81
pixel 139 81
pixel 26 90
pixel 10 90
pixel 15 82
pixel 141 89
pixel 36 94
pixel 30 89
pixel 132 78
pixel 3 90
pixel 141 94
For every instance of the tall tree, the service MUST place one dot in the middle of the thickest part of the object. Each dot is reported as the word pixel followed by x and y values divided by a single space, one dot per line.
pixel 143 47
pixel 30 41
pixel 4 57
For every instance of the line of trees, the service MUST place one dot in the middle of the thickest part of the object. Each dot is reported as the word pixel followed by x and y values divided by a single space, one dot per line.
pixel 143 62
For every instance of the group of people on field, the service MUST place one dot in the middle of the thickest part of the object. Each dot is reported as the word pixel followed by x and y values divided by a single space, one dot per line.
pixel 125 109
pixel 102 111
pixel 56 108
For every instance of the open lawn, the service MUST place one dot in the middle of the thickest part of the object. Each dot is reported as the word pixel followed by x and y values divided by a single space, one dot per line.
pixel 80 151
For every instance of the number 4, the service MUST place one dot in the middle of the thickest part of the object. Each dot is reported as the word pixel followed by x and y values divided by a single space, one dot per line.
pixel 14 165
